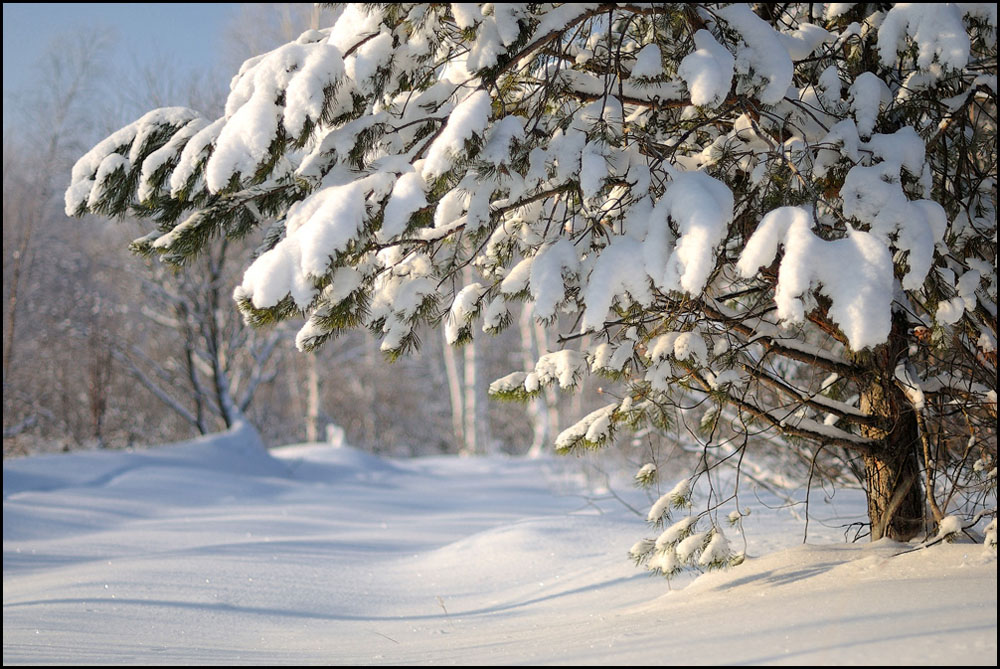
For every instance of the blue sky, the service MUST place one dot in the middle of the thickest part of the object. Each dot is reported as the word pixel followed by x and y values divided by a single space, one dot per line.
pixel 187 36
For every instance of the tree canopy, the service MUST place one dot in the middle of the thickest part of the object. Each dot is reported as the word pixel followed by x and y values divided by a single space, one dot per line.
pixel 787 211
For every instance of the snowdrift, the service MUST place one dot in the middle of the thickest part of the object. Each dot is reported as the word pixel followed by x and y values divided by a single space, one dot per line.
pixel 217 551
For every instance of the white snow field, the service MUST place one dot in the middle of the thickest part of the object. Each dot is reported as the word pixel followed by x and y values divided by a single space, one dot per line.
pixel 214 551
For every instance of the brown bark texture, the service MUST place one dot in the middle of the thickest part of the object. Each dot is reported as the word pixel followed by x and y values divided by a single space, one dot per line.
pixel 892 471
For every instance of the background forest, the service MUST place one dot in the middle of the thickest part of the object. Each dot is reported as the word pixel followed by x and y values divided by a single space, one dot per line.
pixel 101 348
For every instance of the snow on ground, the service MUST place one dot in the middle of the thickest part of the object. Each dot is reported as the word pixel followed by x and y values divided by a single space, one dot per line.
pixel 217 552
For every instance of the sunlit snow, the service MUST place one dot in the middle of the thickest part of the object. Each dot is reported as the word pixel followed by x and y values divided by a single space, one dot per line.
pixel 215 551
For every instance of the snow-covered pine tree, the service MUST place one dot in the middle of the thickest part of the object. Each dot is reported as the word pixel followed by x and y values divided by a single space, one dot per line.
pixel 789 209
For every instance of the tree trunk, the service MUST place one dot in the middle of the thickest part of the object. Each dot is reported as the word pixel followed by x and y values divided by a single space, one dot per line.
pixel 470 404
pixel 312 398
pixel 544 408
pixel 895 499
pixel 454 394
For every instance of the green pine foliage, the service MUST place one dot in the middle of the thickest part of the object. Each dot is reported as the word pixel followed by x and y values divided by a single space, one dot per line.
pixel 693 219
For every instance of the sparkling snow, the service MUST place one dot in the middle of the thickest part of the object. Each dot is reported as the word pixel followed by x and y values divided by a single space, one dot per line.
pixel 216 552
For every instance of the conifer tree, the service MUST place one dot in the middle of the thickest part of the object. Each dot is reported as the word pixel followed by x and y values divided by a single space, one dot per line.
pixel 786 210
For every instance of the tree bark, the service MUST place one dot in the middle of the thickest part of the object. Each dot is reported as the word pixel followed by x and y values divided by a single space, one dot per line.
pixel 895 498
